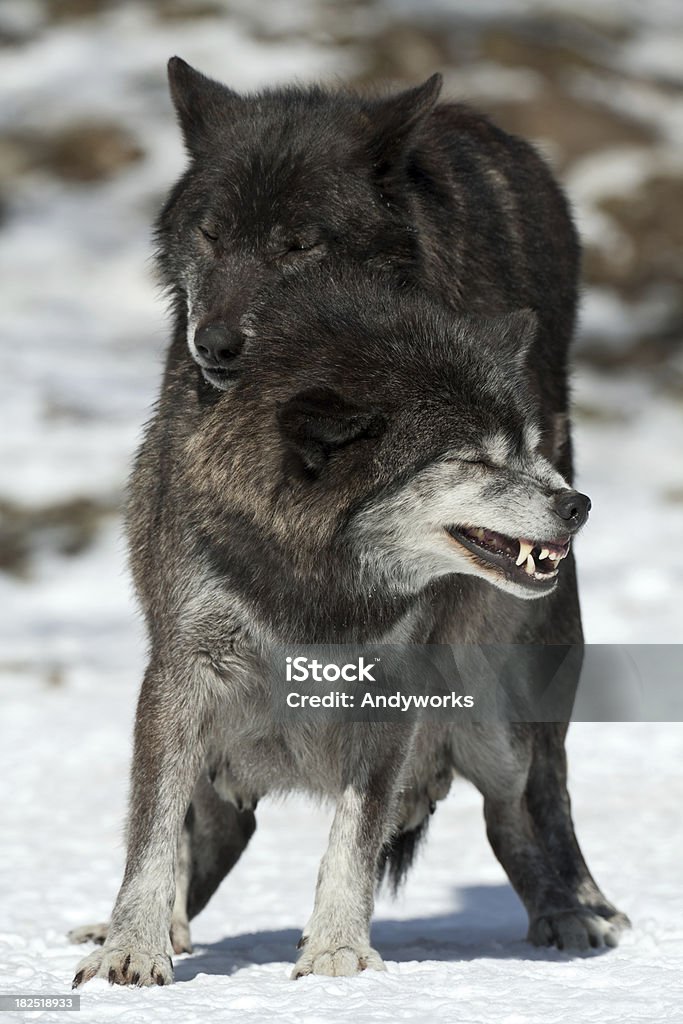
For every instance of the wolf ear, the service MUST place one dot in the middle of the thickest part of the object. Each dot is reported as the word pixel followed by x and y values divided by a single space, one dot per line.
pixel 319 421
pixel 516 333
pixel 394 118
pixel 201 104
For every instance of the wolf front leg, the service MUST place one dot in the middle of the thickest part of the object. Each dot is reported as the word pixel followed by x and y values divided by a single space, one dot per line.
pixel 337 936
pixel 172 723
pixel 213 839
pixel 180 927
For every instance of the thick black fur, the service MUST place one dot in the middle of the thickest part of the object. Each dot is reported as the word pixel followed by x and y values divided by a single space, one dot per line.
pixel 363 257
pixel 433 195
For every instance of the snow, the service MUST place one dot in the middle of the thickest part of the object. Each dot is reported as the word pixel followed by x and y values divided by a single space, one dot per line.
pixel 453 941
pixel 83 335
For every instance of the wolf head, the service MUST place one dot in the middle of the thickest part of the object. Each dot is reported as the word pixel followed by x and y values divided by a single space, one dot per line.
pixel 373 436
pixel 277 184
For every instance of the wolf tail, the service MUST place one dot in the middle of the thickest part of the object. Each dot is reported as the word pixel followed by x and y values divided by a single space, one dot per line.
pixel 398 854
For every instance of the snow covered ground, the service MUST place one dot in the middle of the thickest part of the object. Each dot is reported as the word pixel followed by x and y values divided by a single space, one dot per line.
pixel 83 333
pixel 453 942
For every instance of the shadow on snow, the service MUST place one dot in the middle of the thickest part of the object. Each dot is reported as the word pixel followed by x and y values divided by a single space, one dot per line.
pixel 489 923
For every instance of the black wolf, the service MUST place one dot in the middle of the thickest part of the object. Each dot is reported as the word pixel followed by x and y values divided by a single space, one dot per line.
pixel 433 196
pixel 373 474
pixel 282 190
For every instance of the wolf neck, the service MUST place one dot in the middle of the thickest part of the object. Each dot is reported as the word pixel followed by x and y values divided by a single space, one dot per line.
pixel 329 605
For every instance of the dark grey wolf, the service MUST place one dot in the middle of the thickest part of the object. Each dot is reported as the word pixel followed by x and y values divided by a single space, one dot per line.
pixel 374 482
pixel 283 188
pixel 432 195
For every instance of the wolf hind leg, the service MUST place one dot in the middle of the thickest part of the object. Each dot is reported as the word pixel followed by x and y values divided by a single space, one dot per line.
pixel 498 759
pixel 219 834
pixel 549 806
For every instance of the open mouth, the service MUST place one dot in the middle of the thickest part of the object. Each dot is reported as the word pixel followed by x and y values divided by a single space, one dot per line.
pixel 529 562
pixel 218 376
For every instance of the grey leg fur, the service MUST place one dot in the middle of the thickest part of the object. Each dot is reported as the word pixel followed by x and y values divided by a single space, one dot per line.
pixel 337 937
pixel 170 737
pixel 214 837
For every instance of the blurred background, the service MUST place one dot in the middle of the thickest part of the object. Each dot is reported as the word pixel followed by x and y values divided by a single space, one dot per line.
pixel 88 146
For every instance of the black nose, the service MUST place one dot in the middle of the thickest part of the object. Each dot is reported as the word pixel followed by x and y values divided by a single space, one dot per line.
pixel 572 507
pixel 217 345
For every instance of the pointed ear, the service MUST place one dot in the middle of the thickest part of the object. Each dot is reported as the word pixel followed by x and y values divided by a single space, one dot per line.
pixel 202 105
pixel 514 335
pixel 394 118
pixel 317 422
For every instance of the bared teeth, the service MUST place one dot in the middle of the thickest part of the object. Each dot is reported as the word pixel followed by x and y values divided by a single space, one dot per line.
pixel 530 566
pixel 525 549
pixel 544 554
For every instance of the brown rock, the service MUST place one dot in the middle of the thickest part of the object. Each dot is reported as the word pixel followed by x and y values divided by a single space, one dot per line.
pixel 80 152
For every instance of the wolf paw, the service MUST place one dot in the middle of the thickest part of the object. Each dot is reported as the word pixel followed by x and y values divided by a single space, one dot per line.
pixel 610 914
pixel 122 966
pixel 180 936
pixel 89 933
pixel 339 962
pixel 580 930
pixel 97 933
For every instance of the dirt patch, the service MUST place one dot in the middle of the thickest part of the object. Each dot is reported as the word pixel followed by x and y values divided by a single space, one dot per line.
pixel 67 528
pixel 81 152
pixel 651 219
pixel 573 127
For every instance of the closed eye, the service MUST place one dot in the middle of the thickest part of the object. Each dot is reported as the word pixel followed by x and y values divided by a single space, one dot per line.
pixel 208 234
pixel 470 461
pixel 298 247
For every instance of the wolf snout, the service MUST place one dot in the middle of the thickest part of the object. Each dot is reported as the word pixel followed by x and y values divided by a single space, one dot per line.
pixel 572 507
pixel 217 345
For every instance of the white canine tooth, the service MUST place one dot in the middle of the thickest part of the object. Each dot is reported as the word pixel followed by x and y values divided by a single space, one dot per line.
pixel 530 566
pixel 553 556
pixel 525 550
pixel 544 554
